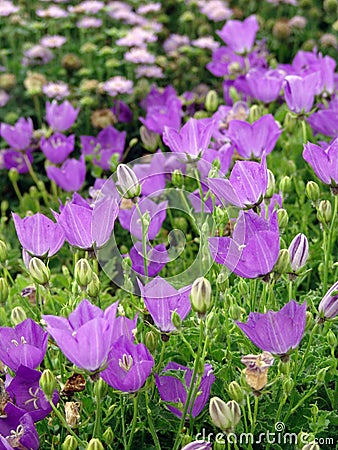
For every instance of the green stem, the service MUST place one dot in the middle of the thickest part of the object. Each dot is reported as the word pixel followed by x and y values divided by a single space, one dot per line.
pixel 301 367
pixel 151 425
pixel 301 401
pixel 304 131
pixel 17 190
pixel 134 422
pixel 30 169
pixel 98 414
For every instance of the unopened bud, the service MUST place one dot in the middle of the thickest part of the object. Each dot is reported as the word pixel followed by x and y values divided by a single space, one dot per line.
pixel 150 140
pixel 288 385
pixel 224 415
pixel 127 182
pixel 285 185
pixel 177 178
pixel 176 319
pixel 212 322
pixel 48 383
pixel 271 185
pixel 321 375
pixel 108 436
pixel 70 443
pixel 312 191
pixel 83 273
pixel 95 444
pixel 151 341
pixel 324 212
pixel 243 288
pixel 290 122
pixel 93 288
pixel 311 446
pixel 39 271
pixel 18 315
pixel 255 113
pixel 235 312
pixel 331 339
pixel 308 320
pixel 211 101
pixel 283 218
pixel 298 251
pixel 283 263
pixel 100 388
pixel 4 290
pixel 236 392
pixel 200 295
pixel 3 251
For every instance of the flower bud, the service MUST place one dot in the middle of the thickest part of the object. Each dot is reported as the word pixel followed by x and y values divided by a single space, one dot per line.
pixel 151 341
pixel 108 436
pixel 212 322
pixel 331 339
pixel 48 383
pixel 83 273
pixel 311 446
pixel 328 307
pixel 3 251
pixel 4 291
pixel 211 101
pixel 255 113
pixel 321 375
pixel 70 443
pixel 100 388
pixel 176 319
pixel 271 185
pixel 18 315
pixel 290 122
pixel 39 271
pixel 312 191
pixel 224 415
pixel 236 392
pixel 177 178
pixel 288 385
pixel 128 183
pixel 324 212
pixel 13 175
pixel 283 218
pixel 200 295
pixel 150 140
pixel 298 251
pixel 285 185
pixel 235 312
pixel 283 263
pixel 93 288
pixel 243 288
pixel 95 444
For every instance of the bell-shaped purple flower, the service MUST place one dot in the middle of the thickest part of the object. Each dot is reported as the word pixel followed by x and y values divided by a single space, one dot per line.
pixel 62 116
pixel 254 140
pixel 25 391
pixel 70 176
pixel 298 251
pixel 26 345
pixel 276 332
pixel 17 430
pixel 328 307
pixel 108 142
pixel 193 138
pixel 173 390
pixel 152 177
pixel 131 221
pixel 265 85
pixel 161 300
pixel 299 92
pixel 18 136
pixel 325 121
pixel 85 338
pixel 223 59
pixel 253 249
pixel 58 147
pixel 324 161
pixel 240 36
pixel 156 258
pixel 129 365
pixel 14 158
pixel 245 187
pixel 38 234
pixel 198 445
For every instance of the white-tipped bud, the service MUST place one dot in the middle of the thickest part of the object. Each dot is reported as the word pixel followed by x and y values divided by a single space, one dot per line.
pixel 128 183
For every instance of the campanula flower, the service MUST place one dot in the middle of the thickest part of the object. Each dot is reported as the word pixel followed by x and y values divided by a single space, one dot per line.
pixel 70 176
pixel 328 307
pixel 61 116
pixel 299 92
pixel 240 36
pixel 58 147
pixel 18 136
pixel 17 429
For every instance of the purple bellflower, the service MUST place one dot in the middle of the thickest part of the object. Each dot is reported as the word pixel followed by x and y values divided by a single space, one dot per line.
pixel 245 187
pixel 161 300
pixel 277 332
pixel 14 158
pixel 18 136
pixel 325 121
pixel 152 177
pixel 26 345
pixel 193 138
pixel 131 221
pixel 85 338
pixel 17 430
pixel 328 307
pixel 156 257
pixel 25 390
pixel 108 142
pixel 38 234
pixel 61 116
pixel 254 140
pixel 58 147
pixel 129 365
pixel 299 92
pixel 173 390
pixel 253 249
pixel 223 59
pixel 198 445
pixel 240 36
pixel 298 251
pixel 70 176
pixel 324 162
pixel 265 85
